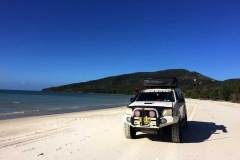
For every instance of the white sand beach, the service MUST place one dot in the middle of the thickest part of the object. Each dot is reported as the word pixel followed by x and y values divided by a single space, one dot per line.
pixel 213 133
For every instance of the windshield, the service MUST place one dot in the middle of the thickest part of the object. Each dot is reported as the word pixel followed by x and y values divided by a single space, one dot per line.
pixel 156 96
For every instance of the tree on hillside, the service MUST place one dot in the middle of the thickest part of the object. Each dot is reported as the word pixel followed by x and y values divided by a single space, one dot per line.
pixel 214 94
pixel 223 93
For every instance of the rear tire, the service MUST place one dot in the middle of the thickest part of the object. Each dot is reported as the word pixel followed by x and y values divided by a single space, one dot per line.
pixel 129 132
pixel 176 133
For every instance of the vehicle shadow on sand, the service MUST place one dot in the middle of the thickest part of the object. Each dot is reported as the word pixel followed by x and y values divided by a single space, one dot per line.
pixel 195 133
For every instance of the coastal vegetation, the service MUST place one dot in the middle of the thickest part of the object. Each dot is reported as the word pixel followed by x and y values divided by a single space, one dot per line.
pixel 193 84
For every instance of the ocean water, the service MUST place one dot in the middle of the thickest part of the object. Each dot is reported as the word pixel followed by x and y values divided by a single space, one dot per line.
pixel 17 104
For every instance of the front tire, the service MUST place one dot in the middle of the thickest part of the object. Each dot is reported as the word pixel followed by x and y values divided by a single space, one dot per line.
pixel 129 131
pixel 185 124
pixel 176 133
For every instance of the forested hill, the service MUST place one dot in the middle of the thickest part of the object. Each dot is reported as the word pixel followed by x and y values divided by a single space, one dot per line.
pixel 193 85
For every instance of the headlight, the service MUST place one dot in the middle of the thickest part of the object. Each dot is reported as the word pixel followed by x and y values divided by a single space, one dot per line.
pixel 167 112
pixel 128 111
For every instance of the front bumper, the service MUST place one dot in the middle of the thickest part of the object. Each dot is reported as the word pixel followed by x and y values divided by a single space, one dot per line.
pixel 156 123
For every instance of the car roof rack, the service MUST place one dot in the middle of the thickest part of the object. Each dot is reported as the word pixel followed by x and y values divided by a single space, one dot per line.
pixel 161 82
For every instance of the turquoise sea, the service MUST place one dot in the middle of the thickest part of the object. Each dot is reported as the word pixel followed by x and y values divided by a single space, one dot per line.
pixel 17 104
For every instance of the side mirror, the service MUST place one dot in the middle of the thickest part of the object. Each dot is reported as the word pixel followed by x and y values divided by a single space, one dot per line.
pixel 181 100
pixel 132 99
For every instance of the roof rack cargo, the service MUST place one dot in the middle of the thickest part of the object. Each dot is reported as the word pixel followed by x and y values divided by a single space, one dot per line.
pixel 161 82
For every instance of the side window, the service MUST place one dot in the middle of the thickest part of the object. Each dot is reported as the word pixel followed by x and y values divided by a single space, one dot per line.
pixel 180 95
pixel 177 96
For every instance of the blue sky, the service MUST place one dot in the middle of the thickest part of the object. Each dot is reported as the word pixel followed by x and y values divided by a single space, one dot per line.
pixel 45 43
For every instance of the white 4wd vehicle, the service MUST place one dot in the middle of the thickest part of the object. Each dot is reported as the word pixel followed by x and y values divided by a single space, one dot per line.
pixel 160 107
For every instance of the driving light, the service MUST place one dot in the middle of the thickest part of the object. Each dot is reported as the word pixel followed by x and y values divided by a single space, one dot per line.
pixel 137 113
pixel 163 120
pixel 152 114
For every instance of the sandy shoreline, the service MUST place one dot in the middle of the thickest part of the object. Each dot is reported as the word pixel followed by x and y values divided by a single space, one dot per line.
pixel 98 134
pixel 30 127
